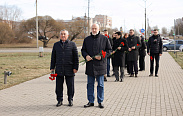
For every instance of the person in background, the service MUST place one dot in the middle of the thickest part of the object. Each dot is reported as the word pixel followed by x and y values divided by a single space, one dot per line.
pixel 133 44
pixel 113 39
pixel 126 54
pixel 119 56
pixel 108 58
pixel 154 49
pixel 142 54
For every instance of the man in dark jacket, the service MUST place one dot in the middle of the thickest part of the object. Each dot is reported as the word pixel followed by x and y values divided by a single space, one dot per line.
pixel 119 56
pixel 108 58
pixel 65 58
pixel 95 65
pixel 133 44
pixel 154 49
pixel 142 54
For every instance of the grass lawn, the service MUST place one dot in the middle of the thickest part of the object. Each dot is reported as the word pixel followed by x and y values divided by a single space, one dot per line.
pixel 33 44
pixel 179 58
pixel 24 67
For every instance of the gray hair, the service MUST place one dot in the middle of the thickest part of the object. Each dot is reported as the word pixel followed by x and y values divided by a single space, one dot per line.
pixel 65 31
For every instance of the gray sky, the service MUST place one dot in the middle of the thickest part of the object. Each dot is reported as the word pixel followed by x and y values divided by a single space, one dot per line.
pixel 160 12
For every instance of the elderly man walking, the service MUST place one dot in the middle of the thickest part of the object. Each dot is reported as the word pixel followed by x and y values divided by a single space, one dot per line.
pixel 95 67
pixel 65 59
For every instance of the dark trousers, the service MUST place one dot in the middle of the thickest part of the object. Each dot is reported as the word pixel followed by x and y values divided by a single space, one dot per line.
pixel 116 70
pixel 156 57
pixel 133 65
pixel 141 63
pixel 108 66
pixel 59 87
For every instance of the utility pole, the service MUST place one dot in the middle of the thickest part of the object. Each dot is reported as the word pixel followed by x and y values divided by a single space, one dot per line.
pixel 145 18
pixel 88 17
pixel 36 25
pixel 174 38
pixel 85 27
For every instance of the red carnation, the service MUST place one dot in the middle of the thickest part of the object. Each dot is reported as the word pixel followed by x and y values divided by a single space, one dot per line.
pixel 52 76
pixel 122 43
pixel 107 35
pixel 151 58
pixel 138 44
pixel 103 54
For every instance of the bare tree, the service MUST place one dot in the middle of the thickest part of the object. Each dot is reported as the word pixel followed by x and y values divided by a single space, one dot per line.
pixel 164 31
pixel 48 28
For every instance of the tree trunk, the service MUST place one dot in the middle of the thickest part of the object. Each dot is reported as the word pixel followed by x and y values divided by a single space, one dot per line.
pixel 45 44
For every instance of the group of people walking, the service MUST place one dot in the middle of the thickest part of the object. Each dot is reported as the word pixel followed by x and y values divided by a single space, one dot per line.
pixel 124 51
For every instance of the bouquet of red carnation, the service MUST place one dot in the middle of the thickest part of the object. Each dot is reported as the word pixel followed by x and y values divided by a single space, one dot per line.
pixel 102 53
pixel 53 75
pixel 122 44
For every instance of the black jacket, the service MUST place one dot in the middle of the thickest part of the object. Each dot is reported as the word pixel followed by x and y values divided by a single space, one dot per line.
pixel 64 58
pixel 92 46
pixel 133 41
pixel 155 44
pixel 142 51
pixel 119 55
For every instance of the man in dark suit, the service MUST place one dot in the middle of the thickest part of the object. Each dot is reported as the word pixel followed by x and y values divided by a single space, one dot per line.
pixel 154 49
pixel 142 54
pixel 65 59
pixel 133 44
pixel 95 65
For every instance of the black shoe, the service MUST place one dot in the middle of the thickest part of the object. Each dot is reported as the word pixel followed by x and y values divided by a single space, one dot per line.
pixel 132 75
pixel 116 80
pixel 140 70
pixel 156 75
pixel 59 104
pixel 70 103
pixel 89 105
pixel 105 79
pixel 113 74
pixel 151 75
pixel 108 76
pixel 136 75
pixel 121 80
pixel 100 105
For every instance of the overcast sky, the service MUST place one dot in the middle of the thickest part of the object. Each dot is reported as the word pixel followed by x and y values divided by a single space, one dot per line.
pixel 123 12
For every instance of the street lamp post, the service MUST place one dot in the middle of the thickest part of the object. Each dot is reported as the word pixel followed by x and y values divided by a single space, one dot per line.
pixel 36 25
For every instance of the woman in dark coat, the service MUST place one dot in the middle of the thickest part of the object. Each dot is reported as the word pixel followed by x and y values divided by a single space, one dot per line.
pixel 142 54
pixel 119 56
pixel 126 54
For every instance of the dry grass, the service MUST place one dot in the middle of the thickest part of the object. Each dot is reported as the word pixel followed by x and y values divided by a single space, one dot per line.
pixel 179 58
pixel 24 67
pixel 33 44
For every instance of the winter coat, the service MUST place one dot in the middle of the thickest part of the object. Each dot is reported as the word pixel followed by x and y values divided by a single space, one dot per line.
pixel 142 51
pixel 65 58
pixel 92 46
pixel 119 55
pixel 133 41
pixel 155 44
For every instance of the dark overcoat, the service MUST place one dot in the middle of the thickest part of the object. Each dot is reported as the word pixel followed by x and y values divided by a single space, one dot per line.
pixel 65 58
pixel 133 41
pixel 119 55
pixel 92 46
pixel 142 51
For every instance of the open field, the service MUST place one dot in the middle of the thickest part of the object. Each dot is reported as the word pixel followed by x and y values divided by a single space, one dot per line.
pixel 33 44
pixel 24 67
pixel 179 58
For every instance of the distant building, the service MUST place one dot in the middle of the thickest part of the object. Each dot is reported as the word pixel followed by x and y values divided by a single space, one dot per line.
pixel 103 20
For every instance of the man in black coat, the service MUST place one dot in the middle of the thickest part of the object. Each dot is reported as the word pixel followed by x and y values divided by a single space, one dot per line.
pixel 119 56
pixel 65 59
pixel 133 44
pixel 142 54
pixel 95 65
pixel 154 49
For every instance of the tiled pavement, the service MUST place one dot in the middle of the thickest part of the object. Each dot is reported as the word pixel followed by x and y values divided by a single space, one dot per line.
pixel 142 96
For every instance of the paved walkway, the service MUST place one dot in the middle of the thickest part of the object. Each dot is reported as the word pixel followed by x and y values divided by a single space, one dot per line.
pixel 142 96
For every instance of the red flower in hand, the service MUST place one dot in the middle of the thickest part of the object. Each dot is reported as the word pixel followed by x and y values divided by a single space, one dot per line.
pixel 138 44
pixel 103 54
pixel 122 43
pixel 107 35
pixel 151 58
pixel 52 76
